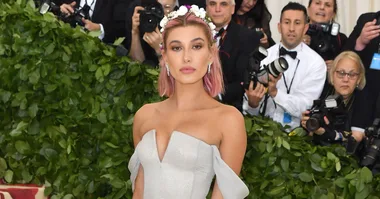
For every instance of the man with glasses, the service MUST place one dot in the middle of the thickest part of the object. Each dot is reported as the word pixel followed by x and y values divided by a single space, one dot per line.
pixel 294 91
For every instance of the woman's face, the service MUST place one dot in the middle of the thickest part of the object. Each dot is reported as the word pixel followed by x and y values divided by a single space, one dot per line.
pixel 168 5
pixel 346 77
pixel 321 11
pixel 247 5
pixel 187 53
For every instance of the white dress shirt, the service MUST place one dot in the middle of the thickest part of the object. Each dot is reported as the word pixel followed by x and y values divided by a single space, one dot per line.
pixel 92 3
pixel 309 78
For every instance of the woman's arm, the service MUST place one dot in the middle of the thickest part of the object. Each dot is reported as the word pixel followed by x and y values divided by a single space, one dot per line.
pixel 233 143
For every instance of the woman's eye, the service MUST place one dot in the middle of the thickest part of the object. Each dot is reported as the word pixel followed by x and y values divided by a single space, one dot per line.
pixel 197 46
pixel 176 48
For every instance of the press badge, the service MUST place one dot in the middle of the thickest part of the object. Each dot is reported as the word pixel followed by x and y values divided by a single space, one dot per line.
pixel 375 64
pixel 287 118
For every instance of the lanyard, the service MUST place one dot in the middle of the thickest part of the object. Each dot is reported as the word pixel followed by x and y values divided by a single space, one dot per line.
pixel 291 82
pixel 93 1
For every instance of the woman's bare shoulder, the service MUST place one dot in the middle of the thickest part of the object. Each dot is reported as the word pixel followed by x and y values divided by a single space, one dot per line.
pixel 230 118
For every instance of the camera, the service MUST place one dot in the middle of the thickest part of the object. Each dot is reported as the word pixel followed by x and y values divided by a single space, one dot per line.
pixel 321 36
pixel 151 16
pixel 332 107
pixel 259 32
pixel 372 146
pixel 46 6
pixel 74 18
pixel 256 74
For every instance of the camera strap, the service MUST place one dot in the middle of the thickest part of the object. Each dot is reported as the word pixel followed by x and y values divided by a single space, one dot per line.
pixel 291 82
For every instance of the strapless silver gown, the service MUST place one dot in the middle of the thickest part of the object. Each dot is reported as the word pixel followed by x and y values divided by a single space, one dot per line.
pixel 186 170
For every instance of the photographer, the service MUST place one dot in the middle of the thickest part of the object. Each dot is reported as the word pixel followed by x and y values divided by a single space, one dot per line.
pixel 294 91
pixel 108 17
pixel 145 45
pixel 346 76
pixel 255 15
pixel 365 41
pixel 323 35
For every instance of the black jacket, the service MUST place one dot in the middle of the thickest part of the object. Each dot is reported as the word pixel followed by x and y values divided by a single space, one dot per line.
pixel 234 52
pixel 110 13
pixel 365 102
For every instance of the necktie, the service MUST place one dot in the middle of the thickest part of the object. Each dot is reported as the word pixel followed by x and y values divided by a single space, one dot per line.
pixel 218 34
pixel 292 54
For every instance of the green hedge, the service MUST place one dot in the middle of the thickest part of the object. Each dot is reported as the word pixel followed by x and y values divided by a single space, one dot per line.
pixel 66 112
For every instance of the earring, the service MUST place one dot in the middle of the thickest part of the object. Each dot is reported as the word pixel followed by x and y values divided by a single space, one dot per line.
pixel 209 68
pixel 167 69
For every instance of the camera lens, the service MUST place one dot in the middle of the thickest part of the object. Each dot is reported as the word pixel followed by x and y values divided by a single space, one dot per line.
pixel 372 153
pixel 278 66
pixel 314 122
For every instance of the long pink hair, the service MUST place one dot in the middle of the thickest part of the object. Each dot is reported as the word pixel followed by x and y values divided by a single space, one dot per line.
pixel 213 81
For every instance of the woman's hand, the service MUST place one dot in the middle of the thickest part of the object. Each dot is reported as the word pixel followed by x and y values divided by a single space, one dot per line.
pixel 264 40
pixel 305 117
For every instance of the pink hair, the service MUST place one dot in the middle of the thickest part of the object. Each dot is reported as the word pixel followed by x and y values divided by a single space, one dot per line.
pixel 213 81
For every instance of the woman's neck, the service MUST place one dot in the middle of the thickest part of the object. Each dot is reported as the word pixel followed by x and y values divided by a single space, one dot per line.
pixel 346 98
pixel 188 97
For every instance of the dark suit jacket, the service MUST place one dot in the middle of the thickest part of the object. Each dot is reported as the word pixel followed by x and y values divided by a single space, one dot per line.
pixel 234 52
pixel 111 14
pixel 365 101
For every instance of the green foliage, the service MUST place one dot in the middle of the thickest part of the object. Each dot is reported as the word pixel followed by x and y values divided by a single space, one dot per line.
pixel 281 166
pixel 66 110
pixel 66 106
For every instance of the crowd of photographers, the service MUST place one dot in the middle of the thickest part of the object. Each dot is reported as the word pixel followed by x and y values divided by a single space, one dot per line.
pixel 315 78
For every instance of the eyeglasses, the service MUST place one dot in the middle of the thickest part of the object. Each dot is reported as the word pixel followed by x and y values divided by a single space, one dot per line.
pixel 351 75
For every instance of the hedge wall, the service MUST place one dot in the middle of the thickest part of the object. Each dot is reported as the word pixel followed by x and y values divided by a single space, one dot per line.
pixel 66 111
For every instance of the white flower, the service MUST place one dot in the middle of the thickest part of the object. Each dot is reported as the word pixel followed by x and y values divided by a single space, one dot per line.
pixel 194 7
pixel 181 11
pixel 198 12
pixel 202 13
pixel 164 21
pixel 211 25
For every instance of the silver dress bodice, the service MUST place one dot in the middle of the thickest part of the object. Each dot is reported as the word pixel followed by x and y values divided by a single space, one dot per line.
pixel 186 170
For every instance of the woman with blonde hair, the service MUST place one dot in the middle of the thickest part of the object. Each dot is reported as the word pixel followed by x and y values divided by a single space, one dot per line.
pixel 346 76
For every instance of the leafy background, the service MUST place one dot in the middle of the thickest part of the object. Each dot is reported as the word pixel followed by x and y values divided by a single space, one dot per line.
pixel 66 109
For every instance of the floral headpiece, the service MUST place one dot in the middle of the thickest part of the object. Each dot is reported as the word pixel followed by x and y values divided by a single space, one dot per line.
pixel 199 12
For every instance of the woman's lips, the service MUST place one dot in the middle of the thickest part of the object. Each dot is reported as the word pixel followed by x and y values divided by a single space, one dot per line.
pixel 187 70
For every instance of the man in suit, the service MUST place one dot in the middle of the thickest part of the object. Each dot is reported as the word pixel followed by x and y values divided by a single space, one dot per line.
pixel 106 16
pixel 365 41
pixel 235 43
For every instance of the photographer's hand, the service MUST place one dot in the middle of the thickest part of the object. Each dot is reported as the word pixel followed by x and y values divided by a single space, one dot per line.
pixel 136 20
pixel 307 39
pixel 154 39
pixel 91 26
pixel 329 64
pixel 264 41
pixel 272 86
pixel 68 9
pixel 255 95
pixel 305 117
pixel 369 32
